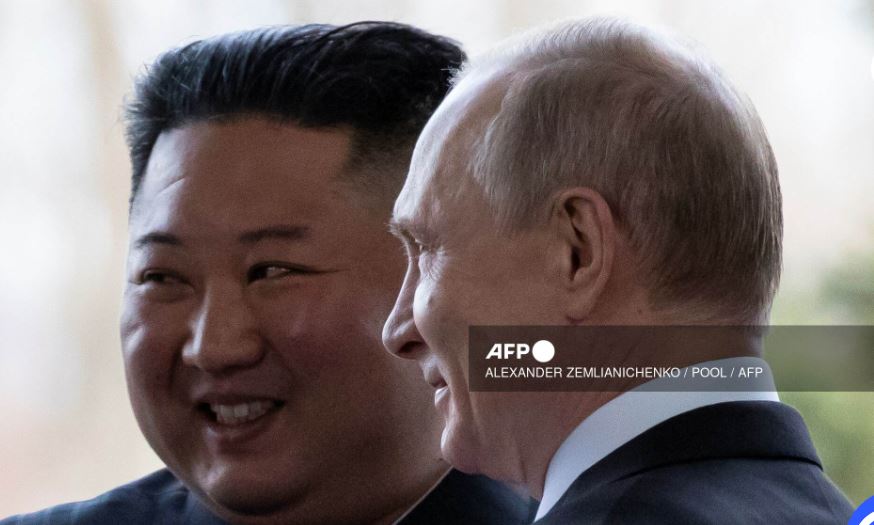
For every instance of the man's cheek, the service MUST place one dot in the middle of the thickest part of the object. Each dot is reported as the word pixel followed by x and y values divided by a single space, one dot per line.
pixel 134 336
pixel 426 315
pixel 150 351
pixel 309 351
pixel 429 296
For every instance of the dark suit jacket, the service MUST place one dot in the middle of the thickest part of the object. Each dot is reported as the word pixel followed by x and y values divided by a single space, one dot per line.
pixel 741 463
pixel 160 498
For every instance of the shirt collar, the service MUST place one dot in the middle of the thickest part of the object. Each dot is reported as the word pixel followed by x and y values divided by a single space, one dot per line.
pixel 630 414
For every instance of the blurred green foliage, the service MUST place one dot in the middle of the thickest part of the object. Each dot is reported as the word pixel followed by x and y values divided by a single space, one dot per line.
pixel 841 423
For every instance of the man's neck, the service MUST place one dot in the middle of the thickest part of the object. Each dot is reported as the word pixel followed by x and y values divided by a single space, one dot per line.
pixel 533 446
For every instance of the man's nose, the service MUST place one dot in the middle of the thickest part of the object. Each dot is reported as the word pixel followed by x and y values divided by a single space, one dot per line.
pixel 224 334
pixel 400 335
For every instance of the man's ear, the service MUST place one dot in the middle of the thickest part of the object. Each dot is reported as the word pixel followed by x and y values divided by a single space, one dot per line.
pixel 586 235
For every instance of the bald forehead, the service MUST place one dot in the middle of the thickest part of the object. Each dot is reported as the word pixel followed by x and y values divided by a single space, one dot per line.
pixel 461 120
pixel 441 163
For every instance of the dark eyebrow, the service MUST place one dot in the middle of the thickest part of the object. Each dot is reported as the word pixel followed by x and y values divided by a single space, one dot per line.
pixel 279 232
pixel 157 238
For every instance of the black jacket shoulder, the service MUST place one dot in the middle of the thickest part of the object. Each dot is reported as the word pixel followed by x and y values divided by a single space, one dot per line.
pixel 745 462
pixel 156 498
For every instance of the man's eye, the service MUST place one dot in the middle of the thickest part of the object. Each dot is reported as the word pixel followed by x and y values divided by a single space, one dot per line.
pixel 415 248
pixel 159 277
pixel 273 271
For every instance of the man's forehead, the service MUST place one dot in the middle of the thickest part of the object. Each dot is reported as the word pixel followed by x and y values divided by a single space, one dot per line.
pixel 441 168
pixel 244 148
pixel 462 118
pixel 240 175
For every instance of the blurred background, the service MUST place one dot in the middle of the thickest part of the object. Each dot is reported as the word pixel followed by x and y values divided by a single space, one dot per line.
pixel 67 432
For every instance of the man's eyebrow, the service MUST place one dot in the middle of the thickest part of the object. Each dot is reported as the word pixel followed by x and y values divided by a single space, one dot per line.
pixel 409 231
pixel 278 232
pixel 397 228
pixel 157 237
pixel 405 230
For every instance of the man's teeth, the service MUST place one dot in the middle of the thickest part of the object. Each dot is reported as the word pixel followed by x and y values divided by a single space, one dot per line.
pixel 241 413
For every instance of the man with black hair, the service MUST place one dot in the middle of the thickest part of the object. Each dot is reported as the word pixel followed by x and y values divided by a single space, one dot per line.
pixel 260 272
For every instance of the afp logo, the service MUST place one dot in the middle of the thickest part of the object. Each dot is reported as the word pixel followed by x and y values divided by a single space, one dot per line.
pixel 543 351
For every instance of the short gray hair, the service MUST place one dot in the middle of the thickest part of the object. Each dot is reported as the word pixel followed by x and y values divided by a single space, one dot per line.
pixel 679 155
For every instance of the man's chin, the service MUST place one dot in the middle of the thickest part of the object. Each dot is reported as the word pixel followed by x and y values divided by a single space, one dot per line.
pixel 242 511
pixel 242 496
pixel 458 448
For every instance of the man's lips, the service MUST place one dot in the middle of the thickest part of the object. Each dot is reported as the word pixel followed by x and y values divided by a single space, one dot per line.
pixel 441 389
pixel 235 408
pixel 433 377
pixel 239 413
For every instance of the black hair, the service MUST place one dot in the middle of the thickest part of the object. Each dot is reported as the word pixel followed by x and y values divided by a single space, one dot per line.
pixel 381 80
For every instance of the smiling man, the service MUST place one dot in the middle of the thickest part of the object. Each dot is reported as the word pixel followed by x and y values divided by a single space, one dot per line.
pixel 602 175
pixel 249 328
pixel 260 273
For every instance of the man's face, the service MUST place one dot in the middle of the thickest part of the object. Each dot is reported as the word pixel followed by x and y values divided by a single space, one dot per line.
pixel 463 271
pixel 251 328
